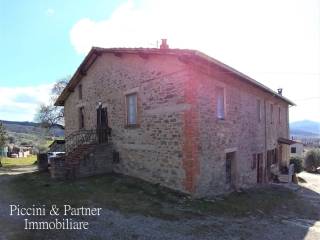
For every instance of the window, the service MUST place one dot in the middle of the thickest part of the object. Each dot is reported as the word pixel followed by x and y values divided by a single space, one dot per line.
pixel 220 102
pixel 293 150
pixel 279 117
pixel 80 91
pixel 131 101
pixel 259 113
pixel 81 118
pixel 271 113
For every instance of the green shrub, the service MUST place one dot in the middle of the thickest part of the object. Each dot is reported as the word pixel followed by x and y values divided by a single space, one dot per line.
pixel 312 160
pixel 297 162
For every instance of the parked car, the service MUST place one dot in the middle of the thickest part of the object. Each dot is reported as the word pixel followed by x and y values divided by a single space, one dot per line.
pixel 52 155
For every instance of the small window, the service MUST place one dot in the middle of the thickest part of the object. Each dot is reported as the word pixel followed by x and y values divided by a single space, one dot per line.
pixel 259 113
pixel 279 116
pixel 293 150
pixel 81 118
pixel 131 101
pixel 80 91
pixel 220 98
pixel 271 113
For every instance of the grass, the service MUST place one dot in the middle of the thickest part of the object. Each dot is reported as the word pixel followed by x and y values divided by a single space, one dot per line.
pixel 15 162
pixel 133 196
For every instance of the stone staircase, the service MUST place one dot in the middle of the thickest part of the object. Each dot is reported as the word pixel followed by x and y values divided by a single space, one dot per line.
pixel 90 152
pixel 88 160
pixel 73 159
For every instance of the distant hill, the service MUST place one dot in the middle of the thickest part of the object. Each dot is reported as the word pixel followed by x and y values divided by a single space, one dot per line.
pixel 305 128
pixel 32 128
pixel 30 133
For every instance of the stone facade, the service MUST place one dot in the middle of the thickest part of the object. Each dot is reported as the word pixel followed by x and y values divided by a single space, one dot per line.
pixel 178 141
pixel 245 130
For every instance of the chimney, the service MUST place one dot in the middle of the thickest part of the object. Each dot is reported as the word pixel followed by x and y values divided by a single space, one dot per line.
pixel 164 44
pixel 279 91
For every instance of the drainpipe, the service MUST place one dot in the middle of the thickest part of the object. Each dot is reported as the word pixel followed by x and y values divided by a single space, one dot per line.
pixel 265 140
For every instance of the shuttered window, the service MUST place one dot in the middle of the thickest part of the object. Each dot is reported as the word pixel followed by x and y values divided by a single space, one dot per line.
pixel 81 118
pixel 259 110
pixel 80 91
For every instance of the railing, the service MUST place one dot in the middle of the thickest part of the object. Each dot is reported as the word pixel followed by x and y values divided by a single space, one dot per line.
pixel 94 136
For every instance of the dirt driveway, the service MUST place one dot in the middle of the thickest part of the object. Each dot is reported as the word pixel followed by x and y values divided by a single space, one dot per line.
pixel 115 223
pixel 16 170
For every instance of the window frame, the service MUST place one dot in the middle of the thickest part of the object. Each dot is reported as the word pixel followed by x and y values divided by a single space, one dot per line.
pixel 81 118
pixel 223 104
pixel 259 110
pixel 80 92
pixel 127 109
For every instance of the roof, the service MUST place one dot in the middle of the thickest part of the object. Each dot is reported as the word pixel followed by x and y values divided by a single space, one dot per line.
pixel 286 141
pixel 184 54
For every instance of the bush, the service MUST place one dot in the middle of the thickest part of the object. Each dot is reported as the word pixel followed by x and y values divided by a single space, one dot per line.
pixel 312 160
pixel 297 162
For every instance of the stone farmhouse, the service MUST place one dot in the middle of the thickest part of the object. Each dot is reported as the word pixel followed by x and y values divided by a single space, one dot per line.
pixel 172 116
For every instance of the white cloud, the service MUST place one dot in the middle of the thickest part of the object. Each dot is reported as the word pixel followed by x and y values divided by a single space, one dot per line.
pixel 21 103
pixel 50 12
pixel 276 42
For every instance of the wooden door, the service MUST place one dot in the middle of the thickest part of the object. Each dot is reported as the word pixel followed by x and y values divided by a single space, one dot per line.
pixel 259 167
pixel 231 169
pixel 270 157
pixel 102 125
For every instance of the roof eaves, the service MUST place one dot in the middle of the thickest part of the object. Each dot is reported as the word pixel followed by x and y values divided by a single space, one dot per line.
pixel 182 52
pixel 74 79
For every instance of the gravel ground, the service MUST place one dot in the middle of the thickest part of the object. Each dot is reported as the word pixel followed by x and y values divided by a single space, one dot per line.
pixel 114 225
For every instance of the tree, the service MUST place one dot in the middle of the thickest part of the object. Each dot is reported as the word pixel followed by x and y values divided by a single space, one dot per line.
pixel 48 114
pixel 312 160
pixel 3 138
pixel 297 162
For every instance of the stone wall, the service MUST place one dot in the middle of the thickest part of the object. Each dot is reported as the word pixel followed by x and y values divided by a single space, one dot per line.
pixel 58 168
pixel 241 131
pixel 153 150
pixel 99 161
pixel 179 142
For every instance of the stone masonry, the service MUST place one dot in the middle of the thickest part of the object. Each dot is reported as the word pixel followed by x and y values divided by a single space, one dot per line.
pixel 178 141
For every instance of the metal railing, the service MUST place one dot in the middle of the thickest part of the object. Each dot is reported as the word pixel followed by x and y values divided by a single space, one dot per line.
pixel 94 136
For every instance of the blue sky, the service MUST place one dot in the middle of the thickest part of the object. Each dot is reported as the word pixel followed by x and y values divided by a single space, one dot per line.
pixel 34 38
pixel 275 42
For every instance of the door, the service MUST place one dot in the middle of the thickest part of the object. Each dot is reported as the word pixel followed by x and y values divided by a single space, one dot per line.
pixel 259 167
pixel 270 156
pixel 102 125
pixel 231 170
